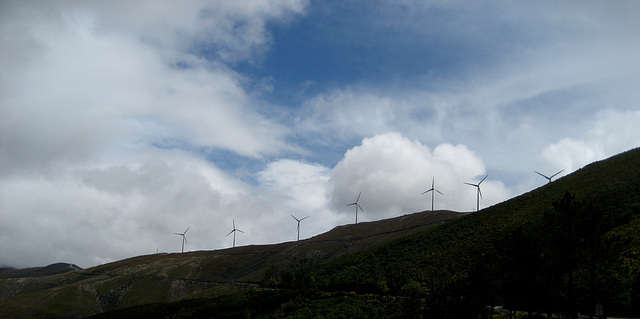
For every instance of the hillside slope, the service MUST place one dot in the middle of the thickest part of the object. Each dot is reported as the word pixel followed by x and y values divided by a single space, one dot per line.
pixel 168 277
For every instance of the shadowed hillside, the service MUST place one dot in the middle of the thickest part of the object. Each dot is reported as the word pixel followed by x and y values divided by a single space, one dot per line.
pixel 562 248
pixel 53 269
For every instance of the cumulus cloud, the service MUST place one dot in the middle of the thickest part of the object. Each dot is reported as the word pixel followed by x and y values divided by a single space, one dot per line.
pixel 610 132
pixel 392 171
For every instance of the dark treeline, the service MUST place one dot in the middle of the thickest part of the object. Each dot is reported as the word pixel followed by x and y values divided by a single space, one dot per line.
pixel 569 262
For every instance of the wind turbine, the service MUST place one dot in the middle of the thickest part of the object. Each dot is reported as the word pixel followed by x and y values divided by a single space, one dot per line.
pixel 234 230
pixel 357 205
pixel 433 191
pixel 184 238
pixel 299 220
pixel 549 177
pixel 479 195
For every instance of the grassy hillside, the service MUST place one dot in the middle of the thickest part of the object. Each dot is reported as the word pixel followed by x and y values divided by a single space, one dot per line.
pixel 561 248
pixel 203 274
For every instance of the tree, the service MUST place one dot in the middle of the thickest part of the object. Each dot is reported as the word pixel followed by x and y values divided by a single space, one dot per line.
pixel 576 258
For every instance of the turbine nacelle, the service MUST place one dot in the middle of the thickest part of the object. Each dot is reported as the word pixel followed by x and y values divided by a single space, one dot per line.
pixel 299 220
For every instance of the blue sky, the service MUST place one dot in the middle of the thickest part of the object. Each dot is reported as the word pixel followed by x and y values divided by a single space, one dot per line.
pixel 350 43
pixel 139 119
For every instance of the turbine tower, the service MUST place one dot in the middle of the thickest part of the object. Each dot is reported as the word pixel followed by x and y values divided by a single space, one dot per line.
pixel 433 191
pixel 184 238
pixel 479 195
pixel 357 206
pixel 299 220
pixel 234 230
pixel 549 177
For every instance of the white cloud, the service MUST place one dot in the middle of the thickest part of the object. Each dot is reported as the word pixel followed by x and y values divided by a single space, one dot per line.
pixel 343 115
pixel 541 87
pixel 295 188
pixel 102 213
pixel 94 97
pixel 229 31
pixel 84 80
pixel 117 210
pixel 569 154
pixel 392 171
pixel 133 204
pixel 611 132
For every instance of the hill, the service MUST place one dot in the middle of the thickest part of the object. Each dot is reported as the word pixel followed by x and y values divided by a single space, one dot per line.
pixel 561 248
pixel 53 269
pixel 169 277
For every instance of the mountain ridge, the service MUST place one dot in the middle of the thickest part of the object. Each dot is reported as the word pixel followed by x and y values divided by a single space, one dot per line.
pixel 53 269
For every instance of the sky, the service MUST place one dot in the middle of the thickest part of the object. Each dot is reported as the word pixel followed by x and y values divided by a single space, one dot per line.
pixel 124 122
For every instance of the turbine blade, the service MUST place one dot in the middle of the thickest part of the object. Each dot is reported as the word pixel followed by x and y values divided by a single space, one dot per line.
pixel 178 234
pixel 351 204
pixel 542 175
pixel 556 173
pixel 433 181
pixel 483 180
pixel 234 223
pixel 479 192
pixel 185 239
pixel 294 217
pixel 474 185
pixel 187 230
pixel 239 230
pixel 358 199
pixel 360 207
pixel 439 192
pixel 304 218
pixel 230 232
pixel 426 191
